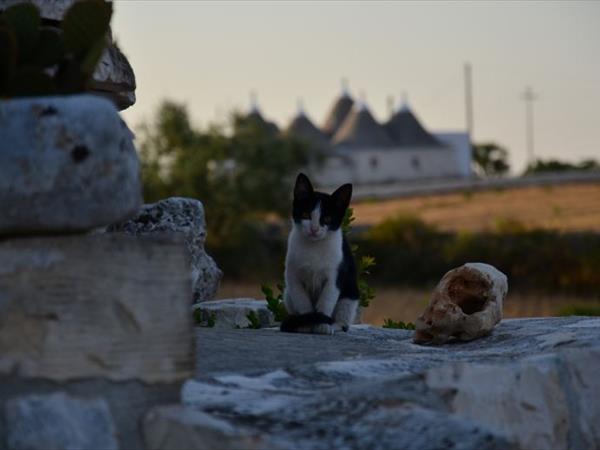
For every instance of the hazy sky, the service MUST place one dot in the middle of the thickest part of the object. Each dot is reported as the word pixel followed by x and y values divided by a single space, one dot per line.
pixel 211 55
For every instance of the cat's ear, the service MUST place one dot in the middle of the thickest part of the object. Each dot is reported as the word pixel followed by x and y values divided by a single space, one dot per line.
pixel 343 195
pixel 303 187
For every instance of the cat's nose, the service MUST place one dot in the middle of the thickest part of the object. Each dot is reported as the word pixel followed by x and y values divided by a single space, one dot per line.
pixel 314 230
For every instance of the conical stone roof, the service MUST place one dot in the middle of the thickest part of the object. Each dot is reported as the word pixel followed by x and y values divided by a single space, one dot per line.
pixel 406 130
pixel 360 129
pixel 303 128
pixel 337 114
pixel 254 116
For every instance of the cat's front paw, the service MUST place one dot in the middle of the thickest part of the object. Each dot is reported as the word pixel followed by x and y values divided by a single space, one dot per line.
pixel 322 328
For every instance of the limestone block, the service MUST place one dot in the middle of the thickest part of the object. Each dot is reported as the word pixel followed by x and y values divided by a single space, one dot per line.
pixel 178 427
pixel 67 164
pixel 524 401
pixel 233 313
pixel 583 367
pixel 107 305
pixel 465 305
pixel 59 421
pixel 186 216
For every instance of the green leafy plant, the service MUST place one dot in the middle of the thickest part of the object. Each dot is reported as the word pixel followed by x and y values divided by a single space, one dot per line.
pixel 254 320
pixel 365 263
pixel 36 59
pixel 389 323
pixel 275 302
pixel 366 292
pixel 347 221
pixel 204 319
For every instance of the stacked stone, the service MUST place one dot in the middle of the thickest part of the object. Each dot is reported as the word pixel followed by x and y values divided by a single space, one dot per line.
pixel 95 328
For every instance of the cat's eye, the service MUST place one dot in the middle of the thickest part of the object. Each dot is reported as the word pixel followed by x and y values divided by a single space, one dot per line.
pixel 306 215
pixel 327 220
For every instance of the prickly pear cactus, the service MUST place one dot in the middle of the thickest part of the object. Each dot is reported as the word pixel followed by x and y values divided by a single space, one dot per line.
pixel 40 60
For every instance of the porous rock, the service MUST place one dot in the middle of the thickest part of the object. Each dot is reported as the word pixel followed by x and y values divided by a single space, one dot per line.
pixel 59 421
pixel 466 304
pixel 233 313
pixel 67 164
pixel 186 216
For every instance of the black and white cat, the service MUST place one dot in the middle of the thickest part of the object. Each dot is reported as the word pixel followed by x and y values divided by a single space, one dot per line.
pixel 321 293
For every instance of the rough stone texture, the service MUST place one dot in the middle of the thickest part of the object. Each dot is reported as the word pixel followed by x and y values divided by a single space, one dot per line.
pixel 59 421
pixel 129 401
pixel 109 305
pixel 524 401
pixel 179 427
pixel 233 313
pixel 532 383
pixel 114 78
pixel 465 305
pixel 186 216
pixel 66 164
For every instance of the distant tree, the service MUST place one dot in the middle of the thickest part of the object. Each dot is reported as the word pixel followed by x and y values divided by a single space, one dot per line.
pixel 242 170
pixel 553 165
pixel 490 159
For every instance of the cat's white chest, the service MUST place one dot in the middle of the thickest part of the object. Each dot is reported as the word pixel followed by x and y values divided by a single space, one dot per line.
pixel 314 258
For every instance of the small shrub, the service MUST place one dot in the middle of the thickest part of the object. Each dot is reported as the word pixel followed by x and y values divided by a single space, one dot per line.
pixel 254 320
pixel 275 302
pixel 509 225
pixel 365 263
pixel 580 309
pixel 203 320
pixel 390 323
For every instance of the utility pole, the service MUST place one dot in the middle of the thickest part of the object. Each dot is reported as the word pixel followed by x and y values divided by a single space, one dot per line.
pixel 529 97
pixel 469 99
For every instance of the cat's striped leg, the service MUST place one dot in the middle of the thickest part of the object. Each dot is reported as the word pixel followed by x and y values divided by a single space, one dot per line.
pixel 344 314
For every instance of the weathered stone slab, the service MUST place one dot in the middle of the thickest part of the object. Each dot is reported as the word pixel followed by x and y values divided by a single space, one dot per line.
pixel 179 427
pixel 108 305
pixel 532 383
pixel 59 421
pixel 233 313
pixel 524 401
pixel 186 216
pixel 67 164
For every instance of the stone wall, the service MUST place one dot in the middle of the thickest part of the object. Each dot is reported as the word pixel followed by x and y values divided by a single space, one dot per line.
pixel 94 331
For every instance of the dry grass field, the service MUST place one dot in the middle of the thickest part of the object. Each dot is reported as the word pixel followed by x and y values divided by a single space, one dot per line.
pixel 572 207
pixel 406 304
